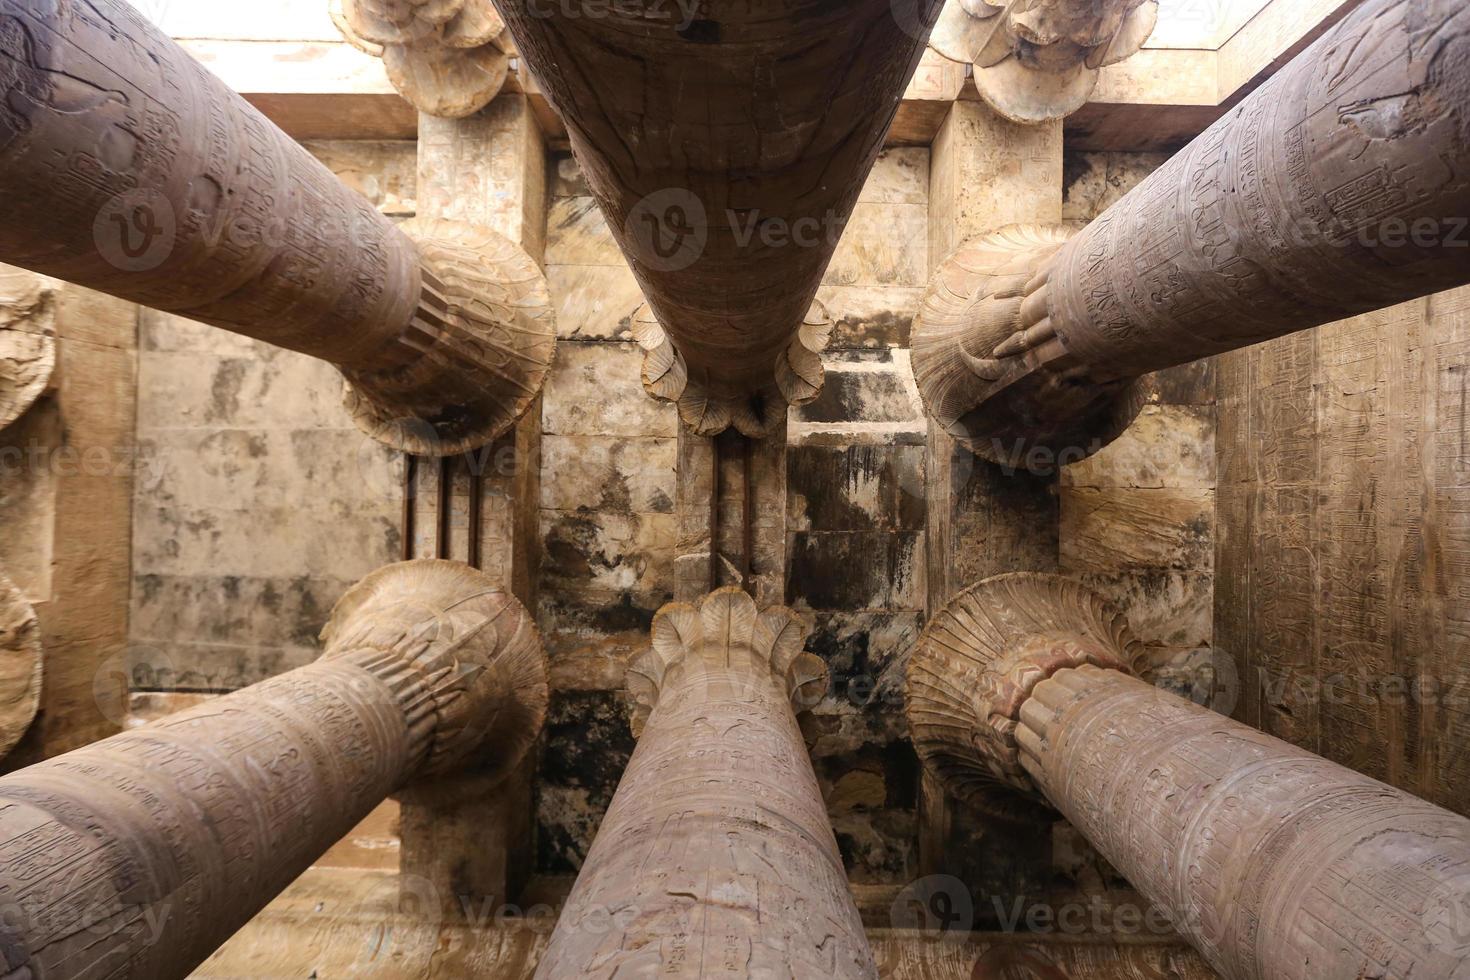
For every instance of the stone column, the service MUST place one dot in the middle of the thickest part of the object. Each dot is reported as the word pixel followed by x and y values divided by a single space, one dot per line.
pixel 138 855
pixel 1340 186
pixel 131 170
pixel 716 858
pixel 727 148
pixel 1275 863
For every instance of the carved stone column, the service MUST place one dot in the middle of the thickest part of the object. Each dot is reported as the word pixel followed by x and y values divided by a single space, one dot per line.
pixel 1275 863
pixel 1340 186
pixel 727 145
pixel 131 170
pixel 716 858
pixel 138 855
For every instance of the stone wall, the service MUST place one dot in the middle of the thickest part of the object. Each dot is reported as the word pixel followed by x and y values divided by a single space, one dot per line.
pixel 1345 542
pixel 67 469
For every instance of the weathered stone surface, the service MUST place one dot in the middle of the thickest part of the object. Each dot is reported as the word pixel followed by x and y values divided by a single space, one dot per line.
pixel 258 502
pixel 577 396
pixel 1167 447
pixel 1108 529
pixel 1094 182
pixel 883 570
pixel 595 302
pixel 1166 607
pixel 855 488
pixel 872 801
pixel 587 749
pixel 383 171
pixel 598 473
pixel 1342 542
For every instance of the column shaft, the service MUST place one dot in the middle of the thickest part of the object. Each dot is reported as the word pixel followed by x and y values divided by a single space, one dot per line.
pixel 133 171
pixel 716 858
pixel 138 855
pixel 1341 186
pixel 1274 862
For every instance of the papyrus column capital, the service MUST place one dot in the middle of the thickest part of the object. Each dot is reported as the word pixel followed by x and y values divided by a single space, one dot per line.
pixel 446 57
pixel 474 671
pixel 977 663
pixel 1038 60
pixel 727 642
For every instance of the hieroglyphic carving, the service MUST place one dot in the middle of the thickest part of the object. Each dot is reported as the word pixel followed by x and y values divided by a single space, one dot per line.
pixel 138 855
pixel 727 149
pixel 717 857
pixel 135 172
pixel 1273 862
pixel 1339 187
pixel 27 342
pixel 446 57
pixel 1036 60
pixel 20 665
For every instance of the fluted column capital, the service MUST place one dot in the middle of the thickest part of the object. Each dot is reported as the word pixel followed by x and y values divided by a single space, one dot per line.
pixel 979 661
pixel 465 656
pixel 479 345
pixel 991 368
pixel 724 635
